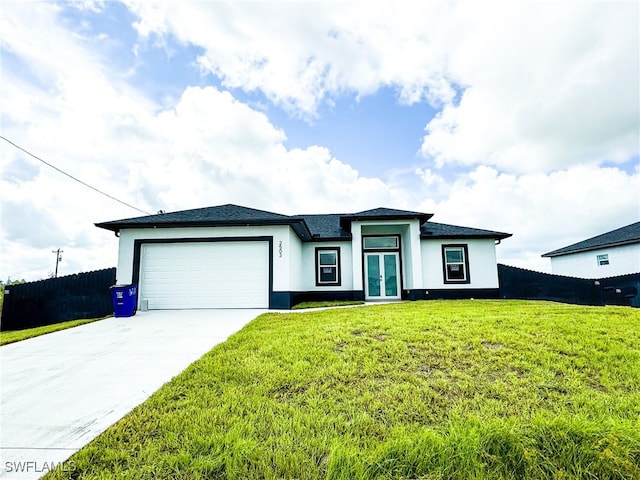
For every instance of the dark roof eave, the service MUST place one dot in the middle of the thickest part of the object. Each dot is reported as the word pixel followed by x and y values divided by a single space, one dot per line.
pixel 345 220
pixel 345 238
pixel 298 225
pixel 496 236
pixel 561 251
pixel 301 229
pixel 108 226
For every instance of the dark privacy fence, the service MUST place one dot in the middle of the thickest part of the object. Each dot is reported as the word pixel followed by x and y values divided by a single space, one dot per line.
pixel 83 295
pixel 87 295
pixel 518 283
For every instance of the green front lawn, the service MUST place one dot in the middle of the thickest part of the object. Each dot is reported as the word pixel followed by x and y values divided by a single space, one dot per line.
pixel 428 390
pixel 13 336
pixel 335 303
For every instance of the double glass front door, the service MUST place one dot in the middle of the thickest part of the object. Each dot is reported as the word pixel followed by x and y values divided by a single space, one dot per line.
pixel 381 275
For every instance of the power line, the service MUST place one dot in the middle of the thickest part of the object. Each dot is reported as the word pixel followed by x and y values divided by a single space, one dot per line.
pixel 71 176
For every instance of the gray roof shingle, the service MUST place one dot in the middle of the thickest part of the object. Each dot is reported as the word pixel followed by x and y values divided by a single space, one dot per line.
pixel 382 214
pixel 620 236
pixel 326 227
pixel 318 227
pixel 220 215
pixel 387 212
pixel 442 230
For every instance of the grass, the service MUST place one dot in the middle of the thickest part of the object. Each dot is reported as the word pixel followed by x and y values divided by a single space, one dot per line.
pixel 13 336
pixel 334 303
pixel 421 390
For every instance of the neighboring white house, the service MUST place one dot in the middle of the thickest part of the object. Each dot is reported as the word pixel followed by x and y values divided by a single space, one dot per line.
pixel 608 255
pixel 236 257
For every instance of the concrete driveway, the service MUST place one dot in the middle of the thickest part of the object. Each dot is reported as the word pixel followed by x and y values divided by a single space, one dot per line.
pixel 61 390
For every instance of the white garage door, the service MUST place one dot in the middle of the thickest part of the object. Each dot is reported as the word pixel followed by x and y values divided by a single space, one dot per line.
pixel 205 275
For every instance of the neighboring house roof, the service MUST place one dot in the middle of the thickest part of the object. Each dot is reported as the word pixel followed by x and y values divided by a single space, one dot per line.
pixel 621 236
pixel 317 227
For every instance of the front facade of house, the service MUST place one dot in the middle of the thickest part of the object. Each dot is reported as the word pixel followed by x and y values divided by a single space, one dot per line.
pixel 236 257
pixel 610 254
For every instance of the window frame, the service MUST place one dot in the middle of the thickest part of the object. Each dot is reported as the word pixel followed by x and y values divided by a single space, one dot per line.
pixel 338 280
pixel 602 259
pixel 381 249
pixel 465 264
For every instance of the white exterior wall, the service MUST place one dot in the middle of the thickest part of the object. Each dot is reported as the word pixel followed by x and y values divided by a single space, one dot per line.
pixel 483 270
pixel 294 269
pixel 292 252
pixel 308 271
pixel 356 252
pixel 282 266
pixel 623 259
pixel 416 281
pixel 410 251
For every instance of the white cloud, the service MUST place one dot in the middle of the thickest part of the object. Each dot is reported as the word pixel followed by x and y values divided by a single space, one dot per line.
pixel 219 150
pixel 542 211
pixel 24 223
pixel 301 54
pixel 95 6
pixel 82 117
pixel 210 149
pixel 549 86
pixel 542 128
pixel 546 85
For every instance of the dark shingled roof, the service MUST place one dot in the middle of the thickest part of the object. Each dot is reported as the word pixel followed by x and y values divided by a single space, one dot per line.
pixel 326 227
pixel 442 230
pixel 382 214
pixel 387 212
pixel 621 236
pixel 319 227
pixel 222 215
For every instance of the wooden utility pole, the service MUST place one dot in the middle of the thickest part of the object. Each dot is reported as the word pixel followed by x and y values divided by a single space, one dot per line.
pixel 58 260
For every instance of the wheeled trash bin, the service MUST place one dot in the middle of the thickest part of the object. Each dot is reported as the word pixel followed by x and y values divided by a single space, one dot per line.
pixel 125 300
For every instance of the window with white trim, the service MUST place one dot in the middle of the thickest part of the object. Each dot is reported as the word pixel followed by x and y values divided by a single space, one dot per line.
pixel 603 259
pixel 327 266
pixel 455 262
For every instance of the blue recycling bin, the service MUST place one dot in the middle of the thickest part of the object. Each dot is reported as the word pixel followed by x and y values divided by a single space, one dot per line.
pixel 125 300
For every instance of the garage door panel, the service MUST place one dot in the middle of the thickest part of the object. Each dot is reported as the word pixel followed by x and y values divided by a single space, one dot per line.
pixel 205 275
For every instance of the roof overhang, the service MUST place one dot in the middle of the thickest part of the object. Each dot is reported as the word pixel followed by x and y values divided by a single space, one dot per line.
pixel 298 225
pixel 346 220
pixel 561 252
pixel 494 236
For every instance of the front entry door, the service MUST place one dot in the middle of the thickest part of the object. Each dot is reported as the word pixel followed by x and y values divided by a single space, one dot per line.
pixel 381 271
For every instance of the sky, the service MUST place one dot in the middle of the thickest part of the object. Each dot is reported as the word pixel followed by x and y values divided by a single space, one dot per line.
pixel 521 117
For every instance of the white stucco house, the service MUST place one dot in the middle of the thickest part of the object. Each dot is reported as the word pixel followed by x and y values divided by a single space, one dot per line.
pixel 230 256
pixel 607 255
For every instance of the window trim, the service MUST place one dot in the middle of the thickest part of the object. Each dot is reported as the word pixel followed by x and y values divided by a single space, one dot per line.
pixel 465 252
pixel 381 249
pixel 338 281
pixel 602 259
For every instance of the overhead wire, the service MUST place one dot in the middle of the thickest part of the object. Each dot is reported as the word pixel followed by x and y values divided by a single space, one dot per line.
pixel 71 176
